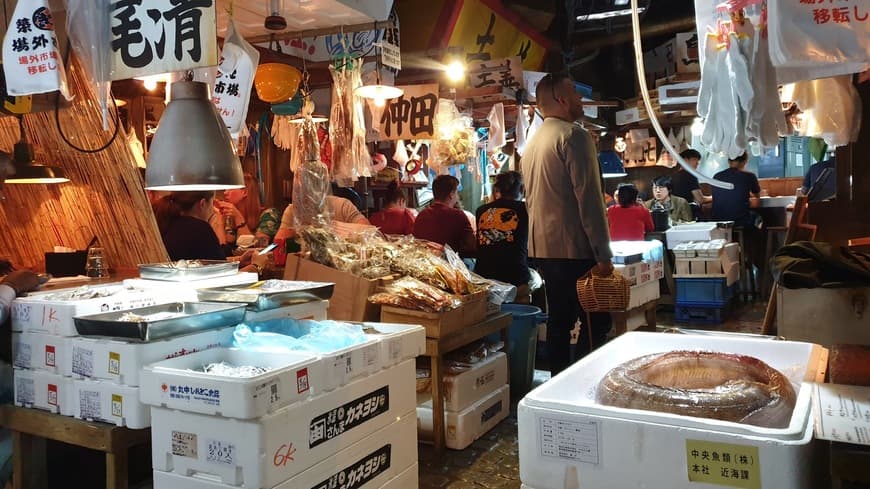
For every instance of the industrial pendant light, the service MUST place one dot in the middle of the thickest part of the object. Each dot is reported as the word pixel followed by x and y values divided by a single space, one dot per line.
pixel 26 171
pixel 378 92
pixel 192 149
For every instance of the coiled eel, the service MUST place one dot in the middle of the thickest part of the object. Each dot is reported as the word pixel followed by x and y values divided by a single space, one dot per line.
pixel 705 384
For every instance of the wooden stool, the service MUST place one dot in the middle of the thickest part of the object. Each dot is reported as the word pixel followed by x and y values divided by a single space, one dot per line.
pixel 748 286
pixel 30 428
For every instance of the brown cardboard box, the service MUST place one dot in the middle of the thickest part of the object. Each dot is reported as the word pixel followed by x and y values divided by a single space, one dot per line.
pixel 438 324
pixel 350 297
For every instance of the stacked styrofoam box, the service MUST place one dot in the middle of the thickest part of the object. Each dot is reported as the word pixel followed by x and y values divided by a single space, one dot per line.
pixel 346 414
pixel 474 402
pixel 567 439
pixel 43 337
pixel 698 231
pixel 650 268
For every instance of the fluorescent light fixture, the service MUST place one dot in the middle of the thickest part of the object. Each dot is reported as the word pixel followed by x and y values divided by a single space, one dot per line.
pixel 608 14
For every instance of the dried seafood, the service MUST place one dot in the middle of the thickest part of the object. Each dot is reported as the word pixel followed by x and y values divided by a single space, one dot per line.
pixel 410 293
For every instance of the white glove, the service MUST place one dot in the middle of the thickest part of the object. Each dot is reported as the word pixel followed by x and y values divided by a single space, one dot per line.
pixel 741 93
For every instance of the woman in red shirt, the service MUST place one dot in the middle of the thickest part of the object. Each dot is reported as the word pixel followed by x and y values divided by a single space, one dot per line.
pixel 395 218
pixel 628 221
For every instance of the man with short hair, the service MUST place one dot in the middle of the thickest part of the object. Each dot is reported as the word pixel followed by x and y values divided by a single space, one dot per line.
pixel 684 183
pixel 442 222
pixel 568 233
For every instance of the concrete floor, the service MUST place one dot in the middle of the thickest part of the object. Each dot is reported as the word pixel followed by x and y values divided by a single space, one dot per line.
pixel 493 460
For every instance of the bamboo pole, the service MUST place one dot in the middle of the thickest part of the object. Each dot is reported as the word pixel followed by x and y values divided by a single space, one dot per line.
pixel 105 197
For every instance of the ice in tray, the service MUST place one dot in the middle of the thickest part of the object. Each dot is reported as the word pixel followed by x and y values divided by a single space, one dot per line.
pixel 272 381
pixel 183 270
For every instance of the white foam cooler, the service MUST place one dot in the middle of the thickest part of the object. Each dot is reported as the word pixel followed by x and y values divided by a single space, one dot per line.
pixel 40 351
pixel 386 460
pixel 44 390
pixel 102 400
pixel 462 428
pixel 176 383
pixel 315 429
pixel 482 379
pixel 121 361
pixel 567 440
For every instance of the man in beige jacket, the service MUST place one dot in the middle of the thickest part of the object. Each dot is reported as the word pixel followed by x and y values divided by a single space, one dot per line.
pixel 568 233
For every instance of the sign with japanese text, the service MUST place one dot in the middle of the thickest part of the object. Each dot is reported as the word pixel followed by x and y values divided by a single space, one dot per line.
pixel 723 464
pixel 507 73
pixel 159 36
pixel 687 53
pixel 235 77
pixel 411 116
pixel 488 33
pixel 31 60
pixel 391 55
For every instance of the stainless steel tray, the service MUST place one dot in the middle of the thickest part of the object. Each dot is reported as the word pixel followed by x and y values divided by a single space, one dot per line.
pixel 195 317
pixel 270 294
pixel 170 272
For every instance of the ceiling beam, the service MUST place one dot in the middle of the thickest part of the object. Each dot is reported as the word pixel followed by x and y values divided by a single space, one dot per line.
pixel 674 26
pixel 290 35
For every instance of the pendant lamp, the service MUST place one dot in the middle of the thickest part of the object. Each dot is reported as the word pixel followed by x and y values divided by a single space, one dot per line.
pixel 26 171
pixel 192 149
pixel 378 92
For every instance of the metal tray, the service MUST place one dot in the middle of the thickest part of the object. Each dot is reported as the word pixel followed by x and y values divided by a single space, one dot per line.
pixel 197 317
pixel 259 298
pixel 168 271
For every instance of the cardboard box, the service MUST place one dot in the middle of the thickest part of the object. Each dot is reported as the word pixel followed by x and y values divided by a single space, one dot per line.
pixel 824 316
pixel 462 428
pixel 437 324
pixel 350 298
pixel 385 460
pixel 483 378
pixel 310 432
pixel 627 116
pixel 44 390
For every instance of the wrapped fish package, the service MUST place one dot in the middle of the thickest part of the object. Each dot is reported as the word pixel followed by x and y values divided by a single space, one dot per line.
pixel 651 409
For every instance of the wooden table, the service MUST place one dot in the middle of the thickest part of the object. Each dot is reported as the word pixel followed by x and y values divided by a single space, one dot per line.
pixel 31 428
pixel 436 348
pixel 620 318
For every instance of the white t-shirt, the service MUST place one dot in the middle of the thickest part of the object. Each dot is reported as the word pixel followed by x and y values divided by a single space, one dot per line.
pixel 342 210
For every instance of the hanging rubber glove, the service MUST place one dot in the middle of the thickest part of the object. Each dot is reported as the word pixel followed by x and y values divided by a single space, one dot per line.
pixel 708 77
pixel 770 121
pixel 741 95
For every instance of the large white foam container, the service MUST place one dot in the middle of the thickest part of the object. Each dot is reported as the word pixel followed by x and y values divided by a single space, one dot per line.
pixel 463 427
pixel 102 400
pixel 41 389
pixel 387 460
pixel 313 430
pixel 567 440
pixel 473 385
pixel 41 351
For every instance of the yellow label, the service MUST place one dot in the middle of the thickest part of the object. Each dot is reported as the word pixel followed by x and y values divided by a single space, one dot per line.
pixel 117 405
pixel 114 363
pixel 723 464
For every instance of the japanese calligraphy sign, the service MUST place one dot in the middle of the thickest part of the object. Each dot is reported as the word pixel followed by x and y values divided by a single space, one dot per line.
pixel 507 73
pixel 411 116
pixel 232 87
pixel 489 32
pixel 815 33
pixel 158 36
pixel 32 62
pixel 723 464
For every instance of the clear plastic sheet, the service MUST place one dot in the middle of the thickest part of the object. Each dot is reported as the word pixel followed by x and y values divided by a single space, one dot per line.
pixel 88 28
pixel 410 293
pixel 310 181
pixel 285 334
pixel 465 358
pixel 831 109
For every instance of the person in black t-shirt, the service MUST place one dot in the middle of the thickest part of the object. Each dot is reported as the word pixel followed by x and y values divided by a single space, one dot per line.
pixel 685 184
pixel 734 205
pixel 503 233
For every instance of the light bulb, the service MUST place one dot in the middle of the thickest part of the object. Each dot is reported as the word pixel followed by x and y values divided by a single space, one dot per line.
pixel 380 102
pixel 150 84
pixel 455 71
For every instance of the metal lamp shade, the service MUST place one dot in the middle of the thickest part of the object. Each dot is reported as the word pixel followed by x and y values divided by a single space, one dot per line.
pixel 37 174
pixel 192 149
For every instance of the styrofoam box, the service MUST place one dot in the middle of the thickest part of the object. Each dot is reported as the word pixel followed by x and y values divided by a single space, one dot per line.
pixel 121 361
pixel 464 427
pixel 652 250
pixel 697 231
pixel 185 291
pixel 307 310
pixel 36 313
pixel 386 459
pixel 101 400
pixel 44 390
pixel 566 436
pixel 483 378
pixel 309 431
pixel 176 383
pixel 40 351
pixel 399 342
pixel 641 294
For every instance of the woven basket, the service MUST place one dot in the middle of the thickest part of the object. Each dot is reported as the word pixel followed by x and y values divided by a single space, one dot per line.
pixel 603 294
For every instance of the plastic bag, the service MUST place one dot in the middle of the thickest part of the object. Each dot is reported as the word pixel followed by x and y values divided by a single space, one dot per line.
pixel 347 132
pixel 238 64
pixel 88 28
pixel 455 138
pixel 283 335
pixel 42 68
pixel 410 293
pixel 310 180
pixel 831 109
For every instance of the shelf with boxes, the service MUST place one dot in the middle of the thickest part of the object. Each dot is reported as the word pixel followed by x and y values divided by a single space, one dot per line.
pixel 706 278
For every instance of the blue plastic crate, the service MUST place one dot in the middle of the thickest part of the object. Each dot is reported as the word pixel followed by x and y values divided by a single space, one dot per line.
pixel 702 314
pixel 701 291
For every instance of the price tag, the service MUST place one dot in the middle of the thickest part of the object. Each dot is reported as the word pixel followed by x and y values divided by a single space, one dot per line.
pixel 83 361
pixel 24 391
pixel 220 453
pixel 89 405
pixel 117 405
pixel 23 355
pixel 114 363
pixel 184 444
pixel 723 464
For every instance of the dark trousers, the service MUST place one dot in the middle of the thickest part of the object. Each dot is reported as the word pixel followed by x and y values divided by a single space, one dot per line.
pixel 560 280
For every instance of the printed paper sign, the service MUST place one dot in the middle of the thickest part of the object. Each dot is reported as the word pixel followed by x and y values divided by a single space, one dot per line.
pixel 32 61
pixel 159 36
pixel 572 440
pixel 723 464
pixel 411 116
pixel 184 444
pixel 842 413
pixel 232 87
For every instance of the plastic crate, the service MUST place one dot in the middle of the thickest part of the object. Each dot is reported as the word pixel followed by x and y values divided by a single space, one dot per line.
pixel 701 313
pixel 704 291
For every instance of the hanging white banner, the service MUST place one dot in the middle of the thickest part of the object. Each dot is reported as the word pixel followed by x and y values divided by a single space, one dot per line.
pixel 232 87
pixel 159 36
pixel 31 60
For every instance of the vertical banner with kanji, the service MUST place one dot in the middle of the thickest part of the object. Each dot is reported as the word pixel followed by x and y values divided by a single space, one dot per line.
pixel 411 116
pixel 158 36
pixel 31 60
pixel 232 87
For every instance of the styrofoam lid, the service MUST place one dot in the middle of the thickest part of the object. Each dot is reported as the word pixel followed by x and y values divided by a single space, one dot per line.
pixel 573 390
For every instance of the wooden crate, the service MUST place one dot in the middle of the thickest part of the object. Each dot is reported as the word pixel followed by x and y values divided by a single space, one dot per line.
pixel 349 298
pixel 438 324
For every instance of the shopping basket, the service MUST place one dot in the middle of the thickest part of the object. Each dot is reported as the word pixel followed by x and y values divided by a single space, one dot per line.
pixel 602 294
